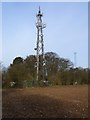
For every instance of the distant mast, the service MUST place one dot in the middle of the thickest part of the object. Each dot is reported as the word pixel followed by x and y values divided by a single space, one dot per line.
pixel 75 60
pixel 40 64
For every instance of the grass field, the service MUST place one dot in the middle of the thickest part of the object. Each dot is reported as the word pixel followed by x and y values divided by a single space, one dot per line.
pixel 47 102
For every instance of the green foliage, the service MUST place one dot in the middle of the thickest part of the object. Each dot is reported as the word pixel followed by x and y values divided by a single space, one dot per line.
pixel 60 72
pixel 18 60
pixel 0 76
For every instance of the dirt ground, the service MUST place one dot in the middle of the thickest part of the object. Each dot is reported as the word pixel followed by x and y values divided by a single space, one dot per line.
pixel 47 102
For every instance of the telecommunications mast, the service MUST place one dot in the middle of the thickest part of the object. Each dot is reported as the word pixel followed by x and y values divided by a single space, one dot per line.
pixel 75 62
pixel 40 64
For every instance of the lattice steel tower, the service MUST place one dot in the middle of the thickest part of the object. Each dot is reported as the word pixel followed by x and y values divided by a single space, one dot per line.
pixel 40 64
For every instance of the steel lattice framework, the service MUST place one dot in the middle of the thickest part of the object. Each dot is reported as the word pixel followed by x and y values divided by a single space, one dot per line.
pixel 40 64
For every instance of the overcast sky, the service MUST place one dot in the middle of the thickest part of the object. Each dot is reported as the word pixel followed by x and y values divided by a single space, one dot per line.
pixel 66 30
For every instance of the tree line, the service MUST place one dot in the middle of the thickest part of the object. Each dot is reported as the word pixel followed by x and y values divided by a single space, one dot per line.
pixel 60 71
